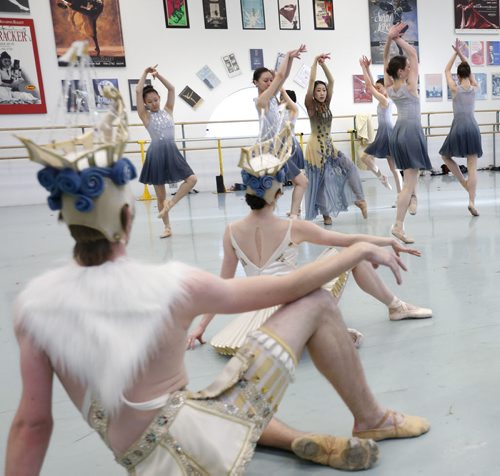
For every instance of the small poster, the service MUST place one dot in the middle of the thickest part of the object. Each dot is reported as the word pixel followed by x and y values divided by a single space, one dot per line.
pixel 477 53
pixel 77 20
pixel 302 76
pixel 21 86
pixel 433 87
pixel 214 14
pixel 208 77
pixel 323 15
pixel 279 59
pixel 15 6
pixel 76 95
pixel 190 97
pixel 477 16
pixel 256 58
pixel 252 14
pixel 495 86
pixel 360 92
pixel 493 53
pixel 482 91
pixel 289 14
pixel 231 65
pixel 102 103
pixel 132 85
pixel 176 13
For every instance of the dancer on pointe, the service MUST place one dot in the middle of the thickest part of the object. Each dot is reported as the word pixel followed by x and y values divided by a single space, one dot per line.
pixel 332 176
pixel 380 145
pixel 164 163
pixel 268 84
pixel 464 139
pixel 407 142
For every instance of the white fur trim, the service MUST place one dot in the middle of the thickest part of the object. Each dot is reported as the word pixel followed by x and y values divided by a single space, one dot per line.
pixel 101 323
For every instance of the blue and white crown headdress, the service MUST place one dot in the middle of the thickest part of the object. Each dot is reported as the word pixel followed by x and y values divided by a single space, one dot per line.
pixel 262 164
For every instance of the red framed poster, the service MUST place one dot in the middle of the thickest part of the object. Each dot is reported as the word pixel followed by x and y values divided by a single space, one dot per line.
pixel 21 86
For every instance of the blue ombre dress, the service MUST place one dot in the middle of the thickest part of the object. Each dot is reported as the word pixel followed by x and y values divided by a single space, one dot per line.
pixel 164 163
pixel 380 145
pixel 464 138
pixel 407 142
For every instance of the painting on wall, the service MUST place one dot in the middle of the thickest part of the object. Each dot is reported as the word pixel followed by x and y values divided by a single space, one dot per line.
pixel 477 53
pixel 176 13
pixel 76 20
pixel 493 53
pixel 208 77
pixel 495 86
pixel 256 58
pixel 323 15
pixel 214 14
pixel 21 86
pixel 289 14
pixel 252 14
pixel 360 92
pixel 482 90
pixel 76 95
pixel 433 87
pixel 382 16
pixel 132 84
pixel 231 64
pixel 15 6
pixel 190 97
pixel 477 16
pixel 103 103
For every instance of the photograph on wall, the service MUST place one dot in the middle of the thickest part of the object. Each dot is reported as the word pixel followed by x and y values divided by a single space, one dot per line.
pixel 302 76
pixel 208 77
pixel 482 90
pixel 176 13
pixel 252 14
pixel 495 86
pixel 102 103
pixel 323 15
pixel 289 14
pixel 77 20
pixel 15 6
pixel 476 16
pixel 21 86
pixel 493 53
pixel 190 97
pixel 256 58
pixel 279 59
pixel 384 14
pixel 360 93
pixel 132 84
pixel 76 95
pixel 231 65
pixel 433 87
pixel 214 14
pixel 476 53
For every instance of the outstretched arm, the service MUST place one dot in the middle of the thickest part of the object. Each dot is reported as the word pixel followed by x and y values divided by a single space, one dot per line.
pixel 32 425
pixel 141 107
pixel 365 67
pixel 169 106
pixel 388 81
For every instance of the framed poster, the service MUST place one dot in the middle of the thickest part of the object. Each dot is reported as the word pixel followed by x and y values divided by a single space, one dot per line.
pixel 214 14
pixel 495 86
pixel 477 16
pixel 15 6
pixel 382 15
pixel 302 76
pixel 279 59
pixel 256 58
pixel 231 65
pixel 208 77
pixel 359 91
pixel 75 95
pixel 482 90
pixel 21 86
pixel 102 103
pixel 433 87
pixel 477 53
pixel 79 20
pixel 493 53
pixel 323 15
pixel 190 97
pixel 176 13
pixel 132 84
pixel 289 14
pixel 252 14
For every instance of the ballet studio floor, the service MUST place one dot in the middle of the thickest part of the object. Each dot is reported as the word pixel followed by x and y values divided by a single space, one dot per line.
pixel 445 368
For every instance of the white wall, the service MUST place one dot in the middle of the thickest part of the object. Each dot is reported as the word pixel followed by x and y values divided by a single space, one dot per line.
pixel 181 53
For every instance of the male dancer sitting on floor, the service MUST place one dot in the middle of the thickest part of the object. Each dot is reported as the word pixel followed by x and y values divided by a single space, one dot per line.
pixel 113 331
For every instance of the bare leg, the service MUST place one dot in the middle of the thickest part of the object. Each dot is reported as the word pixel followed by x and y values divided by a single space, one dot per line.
pixel 472 182
pixel 183 190
pixel 161 194
pixel 370 282
pixel 369 161
pixel 409 184
pixel 395 173
pixel 279 435
pixel 455 170
pixel 299 187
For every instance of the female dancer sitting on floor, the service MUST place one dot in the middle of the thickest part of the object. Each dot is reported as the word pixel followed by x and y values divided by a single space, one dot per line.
pixel 407 142
pixel 268 85
pixel 464 139
pixel 328 170
pixel 267 245
pixel 380 145
pixel 164 163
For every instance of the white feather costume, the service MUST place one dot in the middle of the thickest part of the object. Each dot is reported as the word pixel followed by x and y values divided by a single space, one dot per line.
pixel 101 323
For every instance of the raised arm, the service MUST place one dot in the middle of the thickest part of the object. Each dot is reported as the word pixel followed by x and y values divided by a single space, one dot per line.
pixel 458 50
pixel 329 77
pixel 365 67
pixel 141 107
pixel 388 81
pixel 293 110
pixel 169 105
pixel 279 77
pixel 411 53
pixel 309 99
pixel 447 72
